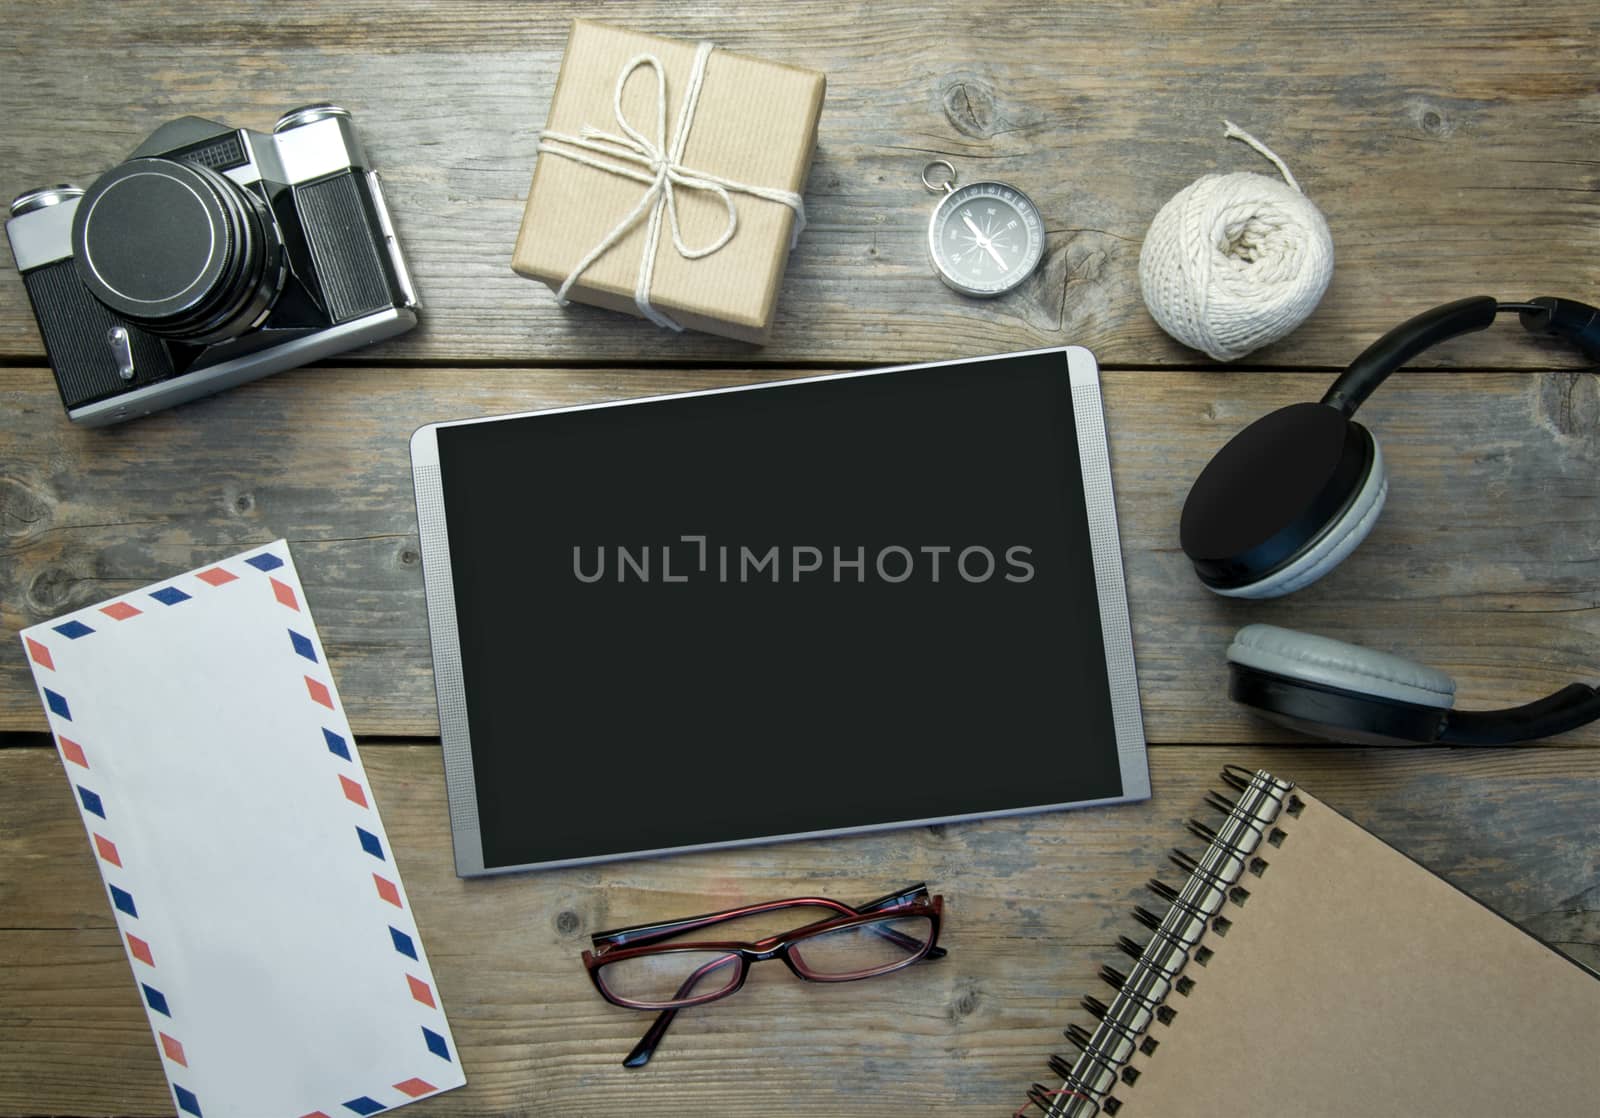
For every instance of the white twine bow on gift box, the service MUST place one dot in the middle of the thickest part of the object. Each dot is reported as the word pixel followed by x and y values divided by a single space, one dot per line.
pixel 663 172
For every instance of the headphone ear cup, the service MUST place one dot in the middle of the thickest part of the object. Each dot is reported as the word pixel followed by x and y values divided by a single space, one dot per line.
pixel 1308 658
pixel 1337 690
pixel 1334 546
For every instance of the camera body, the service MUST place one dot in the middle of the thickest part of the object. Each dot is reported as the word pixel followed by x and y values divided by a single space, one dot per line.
pixel 212 257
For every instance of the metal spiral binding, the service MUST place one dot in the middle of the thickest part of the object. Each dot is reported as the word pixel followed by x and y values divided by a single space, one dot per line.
pixel 1142 992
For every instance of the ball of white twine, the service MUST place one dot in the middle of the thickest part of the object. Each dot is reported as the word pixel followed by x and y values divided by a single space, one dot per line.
pixel 1235 262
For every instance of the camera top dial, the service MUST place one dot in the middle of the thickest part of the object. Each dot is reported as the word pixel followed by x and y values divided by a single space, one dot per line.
pixel 178 249
pixel 45 196
pixel 309 114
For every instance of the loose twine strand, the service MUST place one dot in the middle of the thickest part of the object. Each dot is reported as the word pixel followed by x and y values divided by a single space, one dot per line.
pixel 1235 262
pixel 662 172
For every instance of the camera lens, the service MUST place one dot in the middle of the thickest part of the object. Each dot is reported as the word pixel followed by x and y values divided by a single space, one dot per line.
pixel 178 249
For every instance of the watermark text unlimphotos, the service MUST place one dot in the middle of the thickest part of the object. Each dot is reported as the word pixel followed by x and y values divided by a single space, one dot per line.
pixel 695 558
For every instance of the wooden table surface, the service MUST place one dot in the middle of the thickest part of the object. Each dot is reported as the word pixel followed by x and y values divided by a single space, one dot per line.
pixel 1453 148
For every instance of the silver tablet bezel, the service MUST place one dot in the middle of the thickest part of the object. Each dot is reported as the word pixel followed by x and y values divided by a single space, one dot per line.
pixel 1095 458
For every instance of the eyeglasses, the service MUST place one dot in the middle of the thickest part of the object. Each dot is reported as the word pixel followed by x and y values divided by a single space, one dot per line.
pixel 631 967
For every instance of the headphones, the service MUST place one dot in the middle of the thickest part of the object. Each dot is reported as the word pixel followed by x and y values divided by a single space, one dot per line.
pixel 1294 493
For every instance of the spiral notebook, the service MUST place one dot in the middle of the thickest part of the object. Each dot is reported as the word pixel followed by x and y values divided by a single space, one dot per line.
pixel 1307 968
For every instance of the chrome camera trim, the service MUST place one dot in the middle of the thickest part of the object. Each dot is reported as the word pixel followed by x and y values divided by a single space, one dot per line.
pixel 42 234
pixel 30 200
pixel 392 242
pixel 334 340
pixel 314 151
pixel 309 114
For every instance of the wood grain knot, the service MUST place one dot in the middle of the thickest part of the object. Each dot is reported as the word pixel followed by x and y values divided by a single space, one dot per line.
pixel 22 510
pixel 51 590
pixel 1432 120
pixel 964 1004
pixel 1571 404
pixel 969 107
pixel 568 922
pixel 1089 267
pixel 242 504
pixel 409 556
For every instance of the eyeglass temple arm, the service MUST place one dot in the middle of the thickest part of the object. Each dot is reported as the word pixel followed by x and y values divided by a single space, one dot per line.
pixel 909 943
pixel 645 934
pixel 900 939
pixel 641 1053
pixel 893 900
pixel 642 934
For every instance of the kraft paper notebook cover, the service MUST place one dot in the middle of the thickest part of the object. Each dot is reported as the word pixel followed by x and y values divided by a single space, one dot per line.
pixel 247 872
pixel 1306 968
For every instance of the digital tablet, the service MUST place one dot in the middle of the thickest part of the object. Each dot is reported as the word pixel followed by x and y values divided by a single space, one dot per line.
pixel 802 608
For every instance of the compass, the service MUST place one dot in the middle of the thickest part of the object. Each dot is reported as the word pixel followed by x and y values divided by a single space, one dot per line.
pixel 985 237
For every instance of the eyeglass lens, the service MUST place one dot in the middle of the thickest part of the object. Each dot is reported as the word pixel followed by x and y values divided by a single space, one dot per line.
pixel 863 950
pixel 666 978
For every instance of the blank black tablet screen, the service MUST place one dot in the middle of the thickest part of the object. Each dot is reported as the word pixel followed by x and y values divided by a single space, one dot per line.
pixel 854 601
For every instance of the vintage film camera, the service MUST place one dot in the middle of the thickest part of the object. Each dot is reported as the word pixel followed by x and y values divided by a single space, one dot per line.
pixel 212 257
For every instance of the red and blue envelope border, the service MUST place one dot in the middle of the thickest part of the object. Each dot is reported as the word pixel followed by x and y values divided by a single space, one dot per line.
pixel 98 814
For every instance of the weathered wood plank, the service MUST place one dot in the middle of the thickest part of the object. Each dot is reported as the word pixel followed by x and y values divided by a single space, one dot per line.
pixel 1033 908
pixel 1452 148
pixel 1486 562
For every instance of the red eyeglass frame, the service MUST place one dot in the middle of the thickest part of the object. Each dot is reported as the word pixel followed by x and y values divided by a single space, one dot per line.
pixel 646 939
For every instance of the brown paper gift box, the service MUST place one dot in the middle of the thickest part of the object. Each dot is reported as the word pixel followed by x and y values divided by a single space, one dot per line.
pixel 755 123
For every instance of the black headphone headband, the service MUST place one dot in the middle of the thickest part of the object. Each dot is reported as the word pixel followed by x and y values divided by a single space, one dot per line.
pixel 1567 318
pixel 1576 704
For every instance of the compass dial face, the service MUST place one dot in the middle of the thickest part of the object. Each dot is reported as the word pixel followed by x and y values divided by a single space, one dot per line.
pixel 985 238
